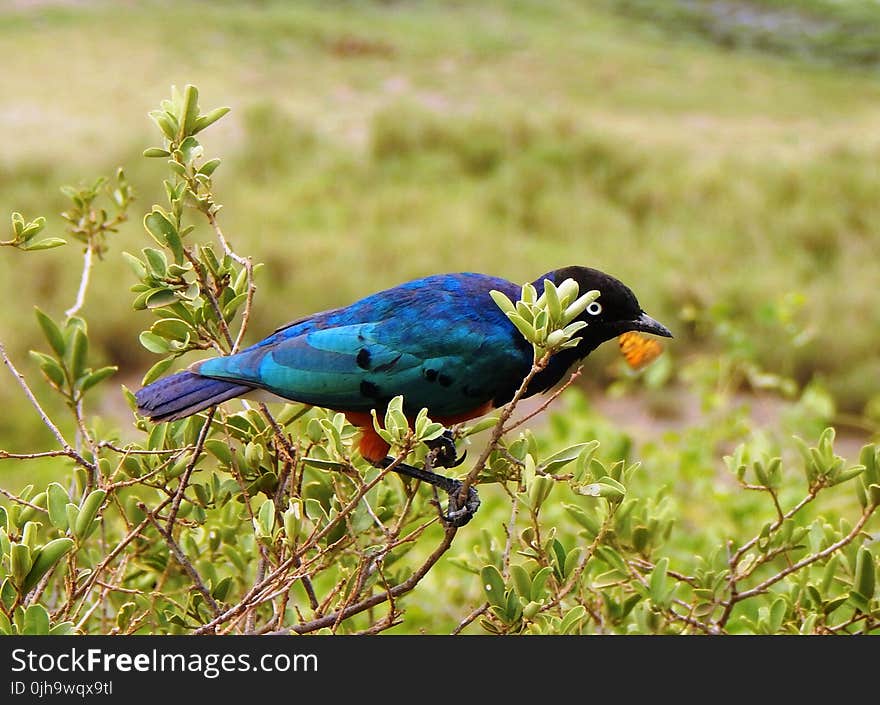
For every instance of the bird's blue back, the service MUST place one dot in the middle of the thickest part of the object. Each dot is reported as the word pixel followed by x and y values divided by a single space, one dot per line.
pixel 440 341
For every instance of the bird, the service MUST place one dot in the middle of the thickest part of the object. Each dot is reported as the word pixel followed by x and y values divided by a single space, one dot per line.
pixel 441 341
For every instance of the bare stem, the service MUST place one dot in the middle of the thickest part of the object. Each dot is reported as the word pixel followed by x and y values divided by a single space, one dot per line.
pixel 470 618
pixel 68 449
pixel 185 563
pixel 184 479
pixel 498 429
pixel 83 282
pixel 211 215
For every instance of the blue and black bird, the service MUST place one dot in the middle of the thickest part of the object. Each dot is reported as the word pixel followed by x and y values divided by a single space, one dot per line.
pixel 440 341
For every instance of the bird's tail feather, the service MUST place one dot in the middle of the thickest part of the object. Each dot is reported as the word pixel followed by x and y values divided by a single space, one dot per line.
pixel 184 394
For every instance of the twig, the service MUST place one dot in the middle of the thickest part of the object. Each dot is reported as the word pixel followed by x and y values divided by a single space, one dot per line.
pixel 184 479
pixel 508 544
pixel 205 286
pixel 470 618
pixel 19 500
pixel 211 215
pixel 498 429
pixel 139 451
pixel 773 579
pixel 68 449
pixel 546 403
pixel 182 559
pixel 248 302
pixel 85 587
pixel 83 282
pixel 378 599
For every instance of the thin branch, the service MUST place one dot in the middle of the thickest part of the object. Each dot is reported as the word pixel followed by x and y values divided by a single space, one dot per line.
pixel 31 456
pixel 86 586
pixel 498 429
pixel 547 402
pixel 211 215
pixel 83 282
pixel 378 599
pixel 184 478
pixel 470 618
pixel 248 303
pixel 803 563
pixel 182 559
pixel 19 500
pixel 68 449
pixel 205 287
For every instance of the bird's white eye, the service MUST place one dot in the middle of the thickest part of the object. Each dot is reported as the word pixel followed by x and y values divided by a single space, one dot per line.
pixel 594 309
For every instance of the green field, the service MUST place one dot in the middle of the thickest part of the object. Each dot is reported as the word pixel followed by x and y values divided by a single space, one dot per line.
pixel 730 176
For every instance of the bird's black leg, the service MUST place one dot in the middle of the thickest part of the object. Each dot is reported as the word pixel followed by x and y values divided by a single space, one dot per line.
pixel 456 514
pixel 445 454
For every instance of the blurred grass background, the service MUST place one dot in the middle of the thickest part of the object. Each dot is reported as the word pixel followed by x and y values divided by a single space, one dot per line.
pixel 714 155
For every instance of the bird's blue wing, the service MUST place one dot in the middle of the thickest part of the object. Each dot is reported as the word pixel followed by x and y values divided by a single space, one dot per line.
pixel 440 345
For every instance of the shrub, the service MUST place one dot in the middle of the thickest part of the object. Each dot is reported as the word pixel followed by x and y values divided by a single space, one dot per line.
pixel 254 519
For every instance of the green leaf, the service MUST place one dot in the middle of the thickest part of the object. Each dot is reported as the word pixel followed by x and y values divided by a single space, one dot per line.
pixel 325 464
pixel 136 266
pixel 78 352
pixel 36 620
pixel 171 328
pixel 266 516
pixel 501 300
pixel 72 512
pixel 8 594
pixel 864 579
pixel 156 260
pixel 220 450
pixel 45 559
pixel 96 377
pixel 166 123
pixel 539 581
pixel 209 167
pixel 51 331
pixel 153 152
pixel 159 298
pixel 230 308
pixel 869 456
pixel 573 619
pixel 521 581
pixel 579 305
pixel 56 503
pixel 606 487
pixel 558 556
pixel 551 300
pixel 209 119
pixel 62 629
pixel 539 491
pixel 157 370
pixel 50 367
pixel 559 460
pixel 164 232
pixel 590 523
pixel 20 563
pixel 777 614
pixel 493 586
pixel 154 343
pixel 658 584
pixel 44 244
pixel 190 149
pixel 87 512
pixel 190 109
pixel 221 589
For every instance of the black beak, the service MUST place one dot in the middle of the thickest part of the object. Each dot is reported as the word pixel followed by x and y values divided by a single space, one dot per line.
pixel 646 324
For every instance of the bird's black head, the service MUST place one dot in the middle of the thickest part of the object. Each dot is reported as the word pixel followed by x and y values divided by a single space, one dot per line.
pixel 616 310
